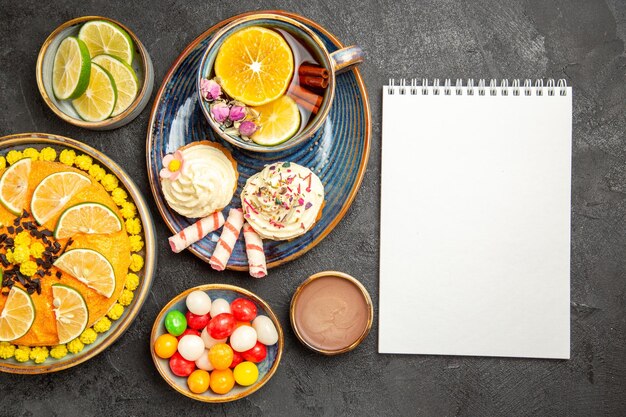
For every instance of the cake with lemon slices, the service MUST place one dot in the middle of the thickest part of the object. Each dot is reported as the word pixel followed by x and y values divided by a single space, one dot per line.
pixel 65 251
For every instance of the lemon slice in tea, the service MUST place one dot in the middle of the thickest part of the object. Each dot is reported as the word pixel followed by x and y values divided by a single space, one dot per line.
pixel 255 65
pixel 70 310
pixel 125 80
pixel 88 218
pixel 98 101
pixel 107 38
pixel 53 193
pixel 17 316
pixel 71 69
pixel 278 121
pixel 89 267
pixel 14 186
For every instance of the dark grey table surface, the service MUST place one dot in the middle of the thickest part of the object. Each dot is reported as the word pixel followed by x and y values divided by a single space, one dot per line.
pixel 582 41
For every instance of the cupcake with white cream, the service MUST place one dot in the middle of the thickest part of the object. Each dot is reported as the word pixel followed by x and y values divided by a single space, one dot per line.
pixel 283 201
pixel 199 179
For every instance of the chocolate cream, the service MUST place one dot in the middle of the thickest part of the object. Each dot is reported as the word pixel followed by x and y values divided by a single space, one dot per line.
pixel 331 313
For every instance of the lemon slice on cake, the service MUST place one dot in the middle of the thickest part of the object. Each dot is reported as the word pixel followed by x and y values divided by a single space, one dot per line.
pixel 53 193
pixel 17 316
pixel 89 267
pixel 71 69
pixel 278 121
pixel 88 218
pixel 70 311
pixel 14 186
pixel 255 65
pixel 107 38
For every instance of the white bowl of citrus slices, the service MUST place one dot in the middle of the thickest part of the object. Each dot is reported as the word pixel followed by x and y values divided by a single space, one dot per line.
pixel 93 72
pixel 77 252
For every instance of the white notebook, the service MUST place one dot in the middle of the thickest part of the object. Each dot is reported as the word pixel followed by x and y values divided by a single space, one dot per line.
pixel 475 219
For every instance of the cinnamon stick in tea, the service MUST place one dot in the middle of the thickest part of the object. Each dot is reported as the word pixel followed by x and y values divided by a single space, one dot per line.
pixel 314 70
pixel 303 103
pixel 306 95
pixel 313 81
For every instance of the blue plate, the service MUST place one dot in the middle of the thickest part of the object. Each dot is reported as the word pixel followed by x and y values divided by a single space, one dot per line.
pixel 338 152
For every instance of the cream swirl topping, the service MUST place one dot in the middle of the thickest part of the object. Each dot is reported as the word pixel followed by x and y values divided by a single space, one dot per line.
pixel 282 201
pixel 206 183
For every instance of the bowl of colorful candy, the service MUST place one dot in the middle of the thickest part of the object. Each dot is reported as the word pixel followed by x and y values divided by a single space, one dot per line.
pixel 216 343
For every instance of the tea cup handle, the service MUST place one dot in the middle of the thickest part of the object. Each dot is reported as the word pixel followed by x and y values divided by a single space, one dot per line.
pixel 345 59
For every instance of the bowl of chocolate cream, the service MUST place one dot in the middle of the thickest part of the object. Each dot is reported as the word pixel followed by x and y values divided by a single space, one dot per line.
pixel 331 312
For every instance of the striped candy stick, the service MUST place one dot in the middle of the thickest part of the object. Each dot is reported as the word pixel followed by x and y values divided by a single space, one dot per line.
pixel 254 250
pixel 230 234
pixel 192 234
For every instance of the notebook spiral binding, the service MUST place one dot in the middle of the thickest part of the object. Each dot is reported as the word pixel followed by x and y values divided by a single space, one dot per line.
pixel 517 87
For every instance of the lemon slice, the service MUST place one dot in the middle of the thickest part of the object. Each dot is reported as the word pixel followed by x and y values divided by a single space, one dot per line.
pixel 14 186
pixel 89 267
pixel 98 101
pixel 17 315
pixel 125 81
pixel 53 193
pixel 71 69
pixel 107 38
pixel 88 218
pixel 70 311
pixel 278 121
pixel 255 65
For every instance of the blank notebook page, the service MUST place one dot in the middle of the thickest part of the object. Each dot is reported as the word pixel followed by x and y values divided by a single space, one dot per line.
pixel 475 222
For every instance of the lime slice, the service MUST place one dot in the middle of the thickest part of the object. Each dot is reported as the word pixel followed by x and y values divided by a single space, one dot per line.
pixel 17 316
pixel 98 101
pixel 89 267
pixel 53 193
pixel 70 310
pixel 125 80
pixel 71 69
pixel 88 218
pixel 14 186
pixel 107 38
pixel 278 121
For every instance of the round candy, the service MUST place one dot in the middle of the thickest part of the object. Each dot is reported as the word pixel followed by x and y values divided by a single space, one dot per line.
pixel 265 330
pixel 256 354
pixel 209 342
pixel 222 381
pixel 243 338
pixel 181 366
pixel 237 359
pixel 246 373
pixel 188 331
pixel 191 347
pixel 243 309
pixel 221 356
pixel 198 381
pixel 175 322
pixel 221 326
pixel 242 323
pixel 165 346
pixel 198 302
pixel 203 361
pixel 219 306
pixel 197 322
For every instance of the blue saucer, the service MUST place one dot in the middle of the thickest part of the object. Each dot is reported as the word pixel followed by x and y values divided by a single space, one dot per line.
pixel 338 152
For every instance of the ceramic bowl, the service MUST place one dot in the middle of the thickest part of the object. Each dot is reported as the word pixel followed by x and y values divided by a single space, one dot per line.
pixel 294 302
pixel 267 367
pixel 118 327
pixel 142 64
